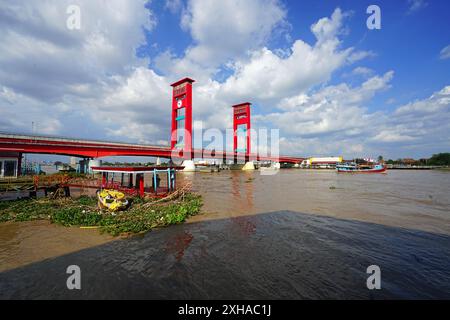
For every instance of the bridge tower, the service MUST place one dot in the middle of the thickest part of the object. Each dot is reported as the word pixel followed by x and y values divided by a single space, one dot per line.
pixel 241 130
pixel 181 134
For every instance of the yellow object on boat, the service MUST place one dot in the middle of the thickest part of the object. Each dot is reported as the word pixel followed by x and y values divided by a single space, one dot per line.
pixel 113 200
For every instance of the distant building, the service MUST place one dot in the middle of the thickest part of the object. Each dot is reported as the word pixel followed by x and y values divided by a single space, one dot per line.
pixel 10 163
pixel 321 162
pixel 409 161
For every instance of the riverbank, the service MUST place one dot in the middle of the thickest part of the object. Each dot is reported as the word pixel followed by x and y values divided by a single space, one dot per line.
pixel 33 230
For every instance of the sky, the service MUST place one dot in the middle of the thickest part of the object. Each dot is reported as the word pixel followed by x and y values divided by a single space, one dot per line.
pixel 312 69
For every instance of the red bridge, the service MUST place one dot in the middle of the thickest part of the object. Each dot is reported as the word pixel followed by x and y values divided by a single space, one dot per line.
pixel 15 143
pixel 12 146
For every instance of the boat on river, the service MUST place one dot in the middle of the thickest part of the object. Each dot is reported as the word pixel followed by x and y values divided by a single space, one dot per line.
pixel 356 168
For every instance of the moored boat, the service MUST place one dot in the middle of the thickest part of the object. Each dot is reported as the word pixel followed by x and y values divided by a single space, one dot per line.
pixel 355 168
pixel 112 200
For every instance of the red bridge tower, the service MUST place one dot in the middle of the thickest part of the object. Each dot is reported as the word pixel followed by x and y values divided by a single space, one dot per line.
pixel 181 136
pixel 241 129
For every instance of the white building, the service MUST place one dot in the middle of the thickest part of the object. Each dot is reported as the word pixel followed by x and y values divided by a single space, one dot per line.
pixel 9 164
pixel 321 162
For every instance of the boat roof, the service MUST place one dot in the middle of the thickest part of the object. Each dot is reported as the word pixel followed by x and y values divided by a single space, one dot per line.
pixel 133 169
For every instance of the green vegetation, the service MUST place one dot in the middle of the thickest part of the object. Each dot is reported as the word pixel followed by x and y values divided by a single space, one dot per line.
pixel 440 159
pixel 140 217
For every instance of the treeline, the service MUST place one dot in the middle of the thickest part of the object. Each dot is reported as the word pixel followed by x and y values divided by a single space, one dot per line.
pixel 439 159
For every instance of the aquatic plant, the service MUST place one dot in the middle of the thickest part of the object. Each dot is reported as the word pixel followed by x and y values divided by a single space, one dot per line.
pixel 141 217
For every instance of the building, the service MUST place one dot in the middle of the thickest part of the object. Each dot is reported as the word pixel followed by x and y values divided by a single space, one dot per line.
pixel 321 162
pixel 10 163
pixel 409 161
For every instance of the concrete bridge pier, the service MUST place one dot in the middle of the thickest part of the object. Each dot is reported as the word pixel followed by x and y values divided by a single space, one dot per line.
pixel 249 165
pixel 188 165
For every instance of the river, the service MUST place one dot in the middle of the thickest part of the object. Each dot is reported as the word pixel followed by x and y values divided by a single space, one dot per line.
pixel 296 234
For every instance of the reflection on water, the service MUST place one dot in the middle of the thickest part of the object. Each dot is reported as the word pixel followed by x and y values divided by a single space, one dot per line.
pixel 178 244
pixel 297 234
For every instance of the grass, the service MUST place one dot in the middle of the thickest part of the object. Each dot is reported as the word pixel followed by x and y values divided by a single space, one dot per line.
pixel 84 212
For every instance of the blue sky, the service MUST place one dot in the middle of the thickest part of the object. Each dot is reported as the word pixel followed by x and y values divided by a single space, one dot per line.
pixel 312 69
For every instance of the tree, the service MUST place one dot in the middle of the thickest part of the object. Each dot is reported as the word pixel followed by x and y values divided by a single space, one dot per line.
pixel 440 159
pixel 380 159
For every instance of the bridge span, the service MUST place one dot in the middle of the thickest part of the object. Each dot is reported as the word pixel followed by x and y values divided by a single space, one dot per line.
pixel 22 143
pixel 180 147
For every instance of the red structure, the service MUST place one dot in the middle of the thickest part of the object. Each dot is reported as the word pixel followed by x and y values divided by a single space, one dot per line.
pixel 77 147
pixel 180 142
pixel 241 129
pixel 139 188
pixel 181 134
pixel 97 149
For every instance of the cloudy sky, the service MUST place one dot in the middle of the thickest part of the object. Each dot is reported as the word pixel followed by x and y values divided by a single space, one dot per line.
pixel 312 69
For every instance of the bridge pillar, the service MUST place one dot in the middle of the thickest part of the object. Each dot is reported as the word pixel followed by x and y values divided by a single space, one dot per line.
pixel 241 130
pixel 19 165
pixel 181 134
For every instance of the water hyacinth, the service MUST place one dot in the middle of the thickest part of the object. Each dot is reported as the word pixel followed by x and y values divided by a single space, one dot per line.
pixel 140 217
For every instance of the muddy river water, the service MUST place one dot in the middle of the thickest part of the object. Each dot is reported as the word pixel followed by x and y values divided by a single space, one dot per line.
pixel 296 234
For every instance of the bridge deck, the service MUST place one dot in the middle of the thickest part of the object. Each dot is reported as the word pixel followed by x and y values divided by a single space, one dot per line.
pixel 10 142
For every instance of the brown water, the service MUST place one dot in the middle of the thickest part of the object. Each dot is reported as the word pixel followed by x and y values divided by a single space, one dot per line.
pixel 26 242
pixel 411 199
pixel 296 234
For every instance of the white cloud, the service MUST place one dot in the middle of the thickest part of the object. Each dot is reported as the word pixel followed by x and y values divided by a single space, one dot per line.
pixel 41 57
pixel 335 120
pixel 327 29
pixel 362 71
pixel 438 103
pixel 360 55
pixel 333 109
pixel 392 136
pixel 226 29
pixel 174 5
pixel 260 75
pixel 445 53
pixel 20 113
pixel 221 30
pixel 48 72
pixel 267 76
pixel 416 5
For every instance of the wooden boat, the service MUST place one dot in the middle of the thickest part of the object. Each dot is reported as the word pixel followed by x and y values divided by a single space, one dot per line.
pixel 355 168
pixel 112 200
